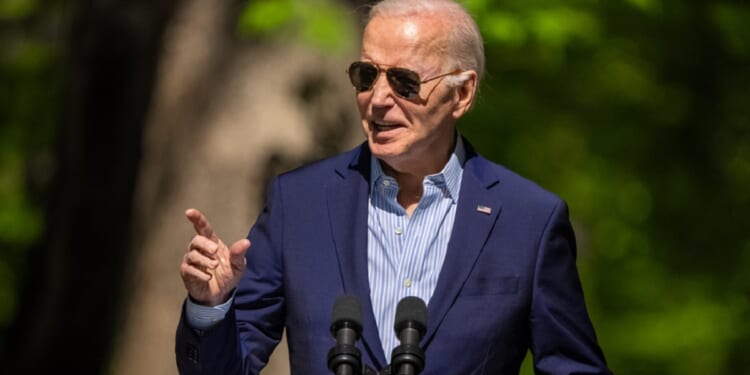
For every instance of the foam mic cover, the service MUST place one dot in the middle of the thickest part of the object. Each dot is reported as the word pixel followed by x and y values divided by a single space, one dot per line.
pixel 347 312
pixel 346 327
pixel 411 312
pixel 410 325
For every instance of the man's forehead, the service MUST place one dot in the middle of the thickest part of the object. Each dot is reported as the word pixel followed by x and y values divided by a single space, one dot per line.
pixel 412 32
pixel 404 27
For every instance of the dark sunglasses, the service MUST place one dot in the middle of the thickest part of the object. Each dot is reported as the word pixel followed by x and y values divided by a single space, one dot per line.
pixel 404 82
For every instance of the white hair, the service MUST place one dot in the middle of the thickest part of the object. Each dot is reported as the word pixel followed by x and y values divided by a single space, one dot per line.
pixel 465 44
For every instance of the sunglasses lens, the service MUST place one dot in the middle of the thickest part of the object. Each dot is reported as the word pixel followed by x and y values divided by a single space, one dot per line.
pixel 362 75
pixel 404 82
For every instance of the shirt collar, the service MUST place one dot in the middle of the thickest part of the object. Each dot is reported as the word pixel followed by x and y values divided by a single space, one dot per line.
pixel 450 175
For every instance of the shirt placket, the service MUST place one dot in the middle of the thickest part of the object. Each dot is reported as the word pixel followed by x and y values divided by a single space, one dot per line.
pixel 416 242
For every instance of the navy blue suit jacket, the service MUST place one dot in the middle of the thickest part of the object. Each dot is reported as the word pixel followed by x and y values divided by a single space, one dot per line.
pixel 509 281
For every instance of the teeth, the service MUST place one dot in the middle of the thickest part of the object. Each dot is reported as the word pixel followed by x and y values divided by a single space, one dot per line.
pixel 384 124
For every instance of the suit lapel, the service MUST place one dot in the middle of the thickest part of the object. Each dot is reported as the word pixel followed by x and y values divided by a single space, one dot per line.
pixel 476 215
pixel 347 211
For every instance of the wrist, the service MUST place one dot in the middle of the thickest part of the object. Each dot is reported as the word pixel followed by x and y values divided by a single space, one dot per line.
pixel 212 302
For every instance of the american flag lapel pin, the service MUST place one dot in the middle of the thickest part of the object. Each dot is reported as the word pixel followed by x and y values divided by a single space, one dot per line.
pixel 484 209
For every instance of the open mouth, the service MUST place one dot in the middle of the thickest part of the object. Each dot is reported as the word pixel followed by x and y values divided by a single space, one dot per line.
pixel 384 126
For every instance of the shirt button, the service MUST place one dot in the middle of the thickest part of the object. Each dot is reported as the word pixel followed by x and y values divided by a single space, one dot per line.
pixel 399 231
pixel 407 282
pixel 387 182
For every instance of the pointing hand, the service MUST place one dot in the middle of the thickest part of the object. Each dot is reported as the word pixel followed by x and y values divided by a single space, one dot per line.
pixel 210 270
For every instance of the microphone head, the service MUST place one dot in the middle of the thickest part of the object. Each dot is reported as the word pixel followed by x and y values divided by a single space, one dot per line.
pixel 347 313
pixel 411 312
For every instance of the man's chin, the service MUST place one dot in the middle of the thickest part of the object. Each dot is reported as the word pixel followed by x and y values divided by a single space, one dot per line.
pixel 383 149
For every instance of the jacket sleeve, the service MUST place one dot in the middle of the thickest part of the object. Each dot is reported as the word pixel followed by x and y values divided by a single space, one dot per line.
pixel 562 336
pixel 243 342
pixel 211 351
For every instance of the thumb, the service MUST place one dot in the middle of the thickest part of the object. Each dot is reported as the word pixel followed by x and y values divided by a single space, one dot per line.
pixel 237 252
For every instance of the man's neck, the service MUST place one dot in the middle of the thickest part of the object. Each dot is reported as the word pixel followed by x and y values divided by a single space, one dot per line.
pixel 409 187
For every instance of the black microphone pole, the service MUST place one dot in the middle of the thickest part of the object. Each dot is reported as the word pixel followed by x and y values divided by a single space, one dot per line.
pixel 410 325
pixel 346 326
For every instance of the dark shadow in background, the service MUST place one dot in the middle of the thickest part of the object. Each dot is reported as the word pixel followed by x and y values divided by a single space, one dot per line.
pixel 70 302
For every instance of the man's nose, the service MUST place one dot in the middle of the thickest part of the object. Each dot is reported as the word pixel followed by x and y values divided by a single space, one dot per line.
pixel 382 94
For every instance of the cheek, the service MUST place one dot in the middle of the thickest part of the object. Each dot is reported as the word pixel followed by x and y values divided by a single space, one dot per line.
pixel 362 105
pixel 440 110
pixel 363 101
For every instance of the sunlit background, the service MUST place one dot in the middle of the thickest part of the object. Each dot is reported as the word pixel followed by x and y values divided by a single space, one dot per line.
pixel 117 115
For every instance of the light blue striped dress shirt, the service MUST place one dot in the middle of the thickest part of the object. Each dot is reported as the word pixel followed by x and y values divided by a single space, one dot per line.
pixel 405 255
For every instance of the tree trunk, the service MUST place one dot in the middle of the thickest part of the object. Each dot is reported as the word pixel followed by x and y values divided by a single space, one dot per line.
pixel 226 116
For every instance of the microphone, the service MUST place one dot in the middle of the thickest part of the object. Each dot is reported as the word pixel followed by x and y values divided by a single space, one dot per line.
pixel 346 327
pixel 410 326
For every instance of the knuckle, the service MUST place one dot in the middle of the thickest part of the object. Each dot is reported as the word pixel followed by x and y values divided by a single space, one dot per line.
pixel 186 269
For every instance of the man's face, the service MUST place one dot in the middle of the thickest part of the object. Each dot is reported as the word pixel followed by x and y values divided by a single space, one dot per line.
pixel 410 135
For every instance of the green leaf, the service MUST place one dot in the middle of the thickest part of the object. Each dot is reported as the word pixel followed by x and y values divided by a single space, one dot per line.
pixel 265 16
pixel 325 26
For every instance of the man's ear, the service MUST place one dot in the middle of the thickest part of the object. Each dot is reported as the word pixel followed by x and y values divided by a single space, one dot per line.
pixel 465 92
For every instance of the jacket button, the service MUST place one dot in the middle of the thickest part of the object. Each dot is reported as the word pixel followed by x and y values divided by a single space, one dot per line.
pixel 192 353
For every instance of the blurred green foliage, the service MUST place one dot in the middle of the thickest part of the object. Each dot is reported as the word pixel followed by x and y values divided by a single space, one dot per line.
pixel 14 10
pixel 323 24
pixel 30 73
pixel 636 113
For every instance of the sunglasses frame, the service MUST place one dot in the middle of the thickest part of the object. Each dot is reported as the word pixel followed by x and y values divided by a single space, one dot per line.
pixel 393 80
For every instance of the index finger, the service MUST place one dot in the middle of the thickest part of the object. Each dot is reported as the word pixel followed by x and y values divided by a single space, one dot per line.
pixel 201 224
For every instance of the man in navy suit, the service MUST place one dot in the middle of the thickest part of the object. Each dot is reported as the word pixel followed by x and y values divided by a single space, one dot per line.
pixel 413 211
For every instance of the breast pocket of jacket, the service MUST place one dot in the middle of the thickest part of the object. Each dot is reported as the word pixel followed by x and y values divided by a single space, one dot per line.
pixel 486 286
